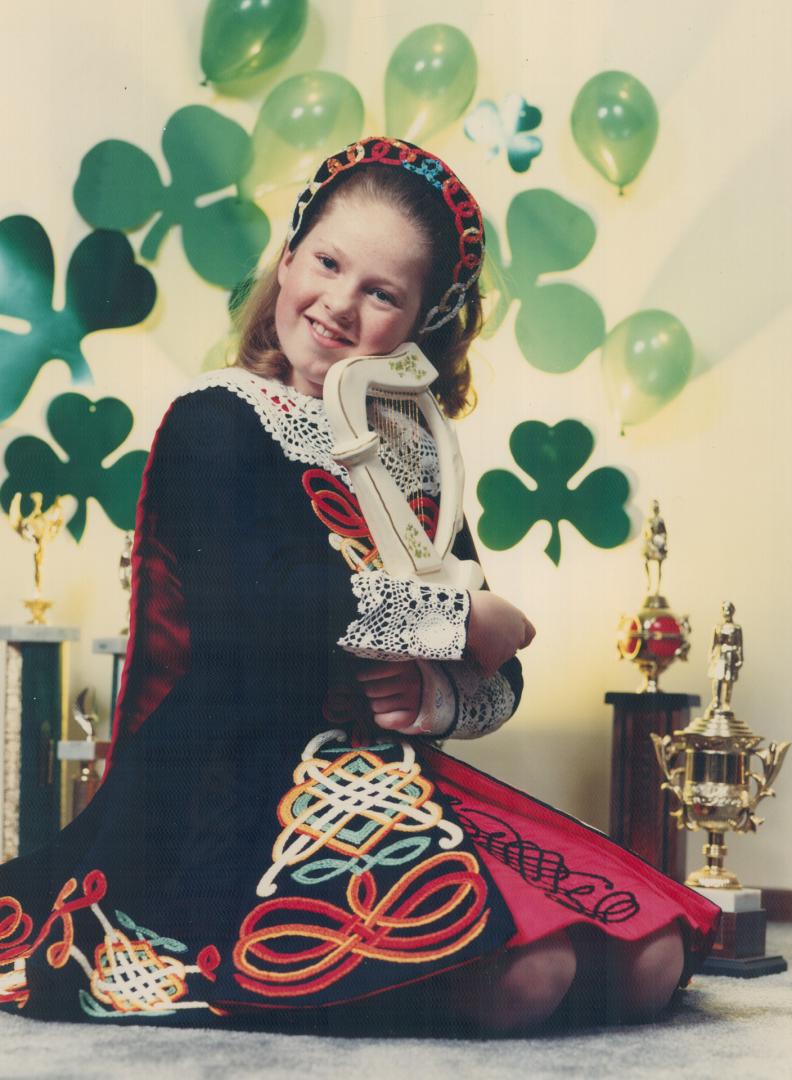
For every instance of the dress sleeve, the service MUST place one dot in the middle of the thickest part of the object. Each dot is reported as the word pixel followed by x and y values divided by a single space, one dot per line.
pixel 401 619
pixel 256 582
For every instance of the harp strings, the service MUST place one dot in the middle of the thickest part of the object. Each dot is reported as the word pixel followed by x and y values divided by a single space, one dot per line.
pixel 398 421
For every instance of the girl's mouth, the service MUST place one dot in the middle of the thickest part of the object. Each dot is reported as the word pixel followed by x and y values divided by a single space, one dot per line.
pixel 325 334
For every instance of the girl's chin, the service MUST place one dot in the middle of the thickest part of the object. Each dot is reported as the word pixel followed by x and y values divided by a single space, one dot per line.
pixel 312 386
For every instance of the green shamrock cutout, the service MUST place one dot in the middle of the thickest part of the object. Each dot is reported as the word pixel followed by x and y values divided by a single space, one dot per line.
pixel 552 456
pixel 119 187
pixel 88 432
pixel 105 289
pixel 557 324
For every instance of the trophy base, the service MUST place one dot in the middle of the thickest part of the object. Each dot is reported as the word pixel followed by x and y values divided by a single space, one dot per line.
pixel 713 879
pixel 739 948
pixel 748 967
pixel 38 611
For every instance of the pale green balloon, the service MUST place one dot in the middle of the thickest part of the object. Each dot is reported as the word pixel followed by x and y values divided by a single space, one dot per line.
pixel 242 38
pixel 646 361
pixel 614 123
pixel 304 119
pixel 429 82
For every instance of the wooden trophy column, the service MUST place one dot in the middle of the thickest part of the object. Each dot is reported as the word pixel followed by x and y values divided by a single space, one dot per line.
pixel 639 811
pixel 33 717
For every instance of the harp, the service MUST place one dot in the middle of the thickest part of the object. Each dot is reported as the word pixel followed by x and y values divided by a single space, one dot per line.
pixel 368 401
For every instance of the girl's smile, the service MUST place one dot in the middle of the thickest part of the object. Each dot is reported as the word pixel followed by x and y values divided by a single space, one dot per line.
pixel 352 287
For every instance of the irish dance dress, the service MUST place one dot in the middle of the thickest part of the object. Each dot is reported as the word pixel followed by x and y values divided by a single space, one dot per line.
pixel 257 848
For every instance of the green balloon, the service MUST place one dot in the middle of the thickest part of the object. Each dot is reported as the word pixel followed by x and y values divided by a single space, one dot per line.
pixel 430 80
pixel 646 361
pixel 304 119
pixel 614 123
pixel 242 38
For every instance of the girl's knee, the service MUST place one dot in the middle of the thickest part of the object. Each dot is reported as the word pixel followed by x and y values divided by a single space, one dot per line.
pixel 649 972
pixel 521 988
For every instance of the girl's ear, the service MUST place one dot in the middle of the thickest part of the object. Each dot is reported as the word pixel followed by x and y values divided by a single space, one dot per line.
pixel 284 264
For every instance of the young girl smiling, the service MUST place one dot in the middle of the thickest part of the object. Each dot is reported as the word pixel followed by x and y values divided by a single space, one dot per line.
pixel 277 835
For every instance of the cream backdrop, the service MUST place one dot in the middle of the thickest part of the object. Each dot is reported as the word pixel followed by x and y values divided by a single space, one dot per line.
pixel 705 232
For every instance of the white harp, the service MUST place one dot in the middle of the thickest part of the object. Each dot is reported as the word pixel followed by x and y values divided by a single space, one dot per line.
pixel 404 547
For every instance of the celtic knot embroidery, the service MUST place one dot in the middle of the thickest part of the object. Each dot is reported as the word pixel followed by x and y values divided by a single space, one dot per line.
pixel 434 910
pixel 127 974
pixel 592 895
pixel 350 804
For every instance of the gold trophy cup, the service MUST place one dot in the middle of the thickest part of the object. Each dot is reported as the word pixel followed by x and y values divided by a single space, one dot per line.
pixel 713 784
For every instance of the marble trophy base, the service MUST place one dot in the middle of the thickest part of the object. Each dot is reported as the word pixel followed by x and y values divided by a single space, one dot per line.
pixel 739 948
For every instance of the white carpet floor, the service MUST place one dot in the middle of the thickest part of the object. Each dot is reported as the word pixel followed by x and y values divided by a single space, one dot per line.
pixel 720 1028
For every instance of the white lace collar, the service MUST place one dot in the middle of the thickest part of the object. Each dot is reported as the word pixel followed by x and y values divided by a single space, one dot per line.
pixel 299 424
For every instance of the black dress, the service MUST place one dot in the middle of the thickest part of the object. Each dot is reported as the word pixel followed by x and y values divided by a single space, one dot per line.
pixel 247 854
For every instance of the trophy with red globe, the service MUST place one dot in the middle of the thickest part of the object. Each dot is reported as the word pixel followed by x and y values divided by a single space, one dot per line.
pixel 652 638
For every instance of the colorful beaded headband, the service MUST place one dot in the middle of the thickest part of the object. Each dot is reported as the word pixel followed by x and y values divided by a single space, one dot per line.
pixel 456 197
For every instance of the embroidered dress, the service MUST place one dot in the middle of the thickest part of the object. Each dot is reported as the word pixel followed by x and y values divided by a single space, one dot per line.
pixel 247 854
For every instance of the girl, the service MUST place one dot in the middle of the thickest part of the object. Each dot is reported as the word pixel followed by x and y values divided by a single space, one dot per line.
pixel 276 837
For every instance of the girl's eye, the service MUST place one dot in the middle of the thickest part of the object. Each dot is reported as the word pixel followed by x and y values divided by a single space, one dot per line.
pixel 327 262
pixel 383 297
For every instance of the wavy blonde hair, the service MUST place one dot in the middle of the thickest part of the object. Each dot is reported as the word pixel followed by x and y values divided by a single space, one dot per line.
pixel 447 348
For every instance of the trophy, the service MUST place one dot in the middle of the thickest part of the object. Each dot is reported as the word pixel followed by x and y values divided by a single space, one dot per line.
pixel 654 637
pixel 713 787
pixel 125 574
pixel 40 526
pixel 86 718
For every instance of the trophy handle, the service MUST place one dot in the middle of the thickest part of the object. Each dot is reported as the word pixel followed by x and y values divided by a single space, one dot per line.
pixel 772 758
pixel 666 749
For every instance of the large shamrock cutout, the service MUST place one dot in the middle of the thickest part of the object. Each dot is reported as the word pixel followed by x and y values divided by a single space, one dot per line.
pixel 87 431
pixel 557 324
pixel 552 456
pixel 119 187
pixel 105 288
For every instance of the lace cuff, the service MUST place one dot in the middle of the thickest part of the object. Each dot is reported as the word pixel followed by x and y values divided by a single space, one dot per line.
pixel 401 618
pixel 438 709
pixel 483 705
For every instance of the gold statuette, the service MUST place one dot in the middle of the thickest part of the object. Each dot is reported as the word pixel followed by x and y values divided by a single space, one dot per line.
pixel 654 636
pixel 713 783
pixel 41 527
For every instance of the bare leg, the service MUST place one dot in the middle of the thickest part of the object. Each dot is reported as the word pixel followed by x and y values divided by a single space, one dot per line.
pixel 514 990
pixel 643 975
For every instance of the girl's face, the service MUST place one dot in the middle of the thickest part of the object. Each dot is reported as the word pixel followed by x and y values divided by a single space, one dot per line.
pixel 352 287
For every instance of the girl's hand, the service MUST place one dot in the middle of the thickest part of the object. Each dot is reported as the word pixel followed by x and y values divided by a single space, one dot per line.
pixel 497 629
pixel 393 689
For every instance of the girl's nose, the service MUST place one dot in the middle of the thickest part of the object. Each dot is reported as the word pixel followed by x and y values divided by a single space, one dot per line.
pixel 340 302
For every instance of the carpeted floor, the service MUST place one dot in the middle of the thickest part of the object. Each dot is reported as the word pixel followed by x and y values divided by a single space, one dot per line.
pixel 719 1027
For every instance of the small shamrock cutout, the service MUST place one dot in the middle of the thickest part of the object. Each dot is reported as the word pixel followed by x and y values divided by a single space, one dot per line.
pixel 495 128
pixel 119 187
pixel 552 456
pixel 105 289
pixel 88 432
pixel 557 324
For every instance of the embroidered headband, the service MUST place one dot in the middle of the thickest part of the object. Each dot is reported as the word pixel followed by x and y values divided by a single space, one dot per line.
pixel 451 192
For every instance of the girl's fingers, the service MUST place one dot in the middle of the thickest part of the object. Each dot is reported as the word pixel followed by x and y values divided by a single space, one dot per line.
pixel 385 688
pixel 398 720
pixel 371 670
pixel 393 703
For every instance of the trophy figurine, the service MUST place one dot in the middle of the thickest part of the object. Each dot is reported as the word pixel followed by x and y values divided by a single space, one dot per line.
pixel 40 526
pixel 654 637
pixel 86 718
pixel 125 574
pixel 713 784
